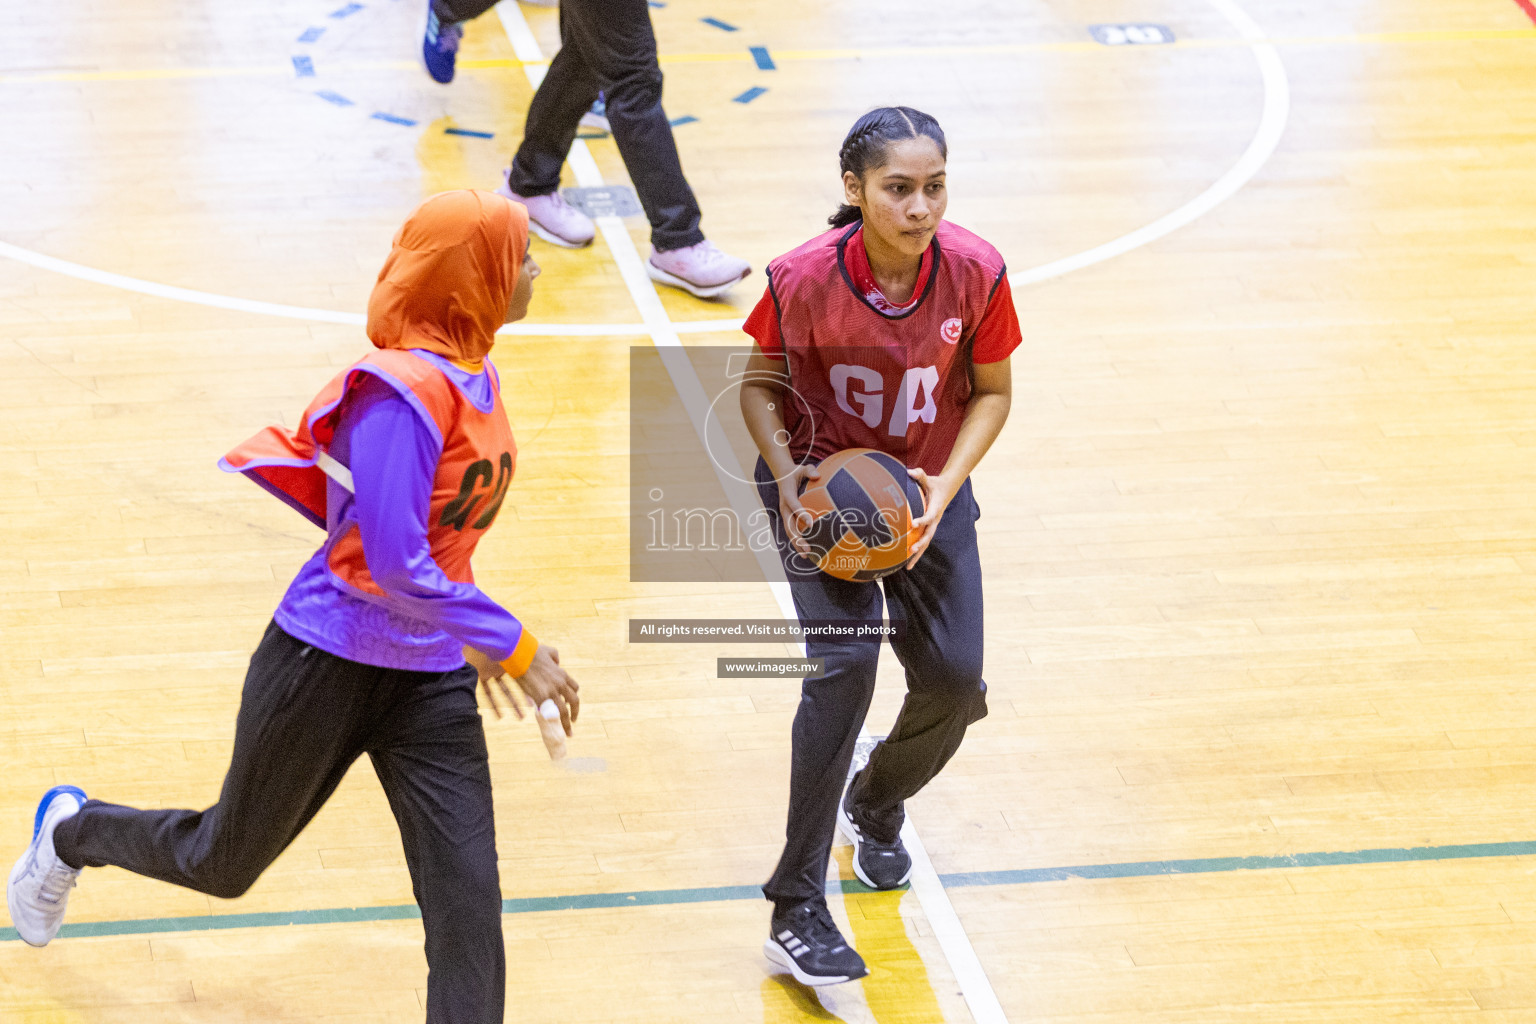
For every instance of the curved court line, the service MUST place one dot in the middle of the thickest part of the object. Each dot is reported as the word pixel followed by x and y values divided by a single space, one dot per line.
pixel 170 291
pixel 330 316
pixel 1276 112
pixel 1277 108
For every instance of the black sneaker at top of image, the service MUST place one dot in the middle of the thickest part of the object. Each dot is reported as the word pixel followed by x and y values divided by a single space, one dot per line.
pixel 804 940
pixel 878 864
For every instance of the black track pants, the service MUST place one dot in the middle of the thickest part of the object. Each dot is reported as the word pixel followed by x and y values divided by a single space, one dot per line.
pixel 305 717
pixel 939 605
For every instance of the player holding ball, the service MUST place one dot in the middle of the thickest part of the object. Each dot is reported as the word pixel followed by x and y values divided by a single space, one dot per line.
pixel 890 332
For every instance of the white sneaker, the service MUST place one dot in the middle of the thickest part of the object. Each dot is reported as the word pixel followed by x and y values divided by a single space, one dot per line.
pixel 701 269
pixel 552 218
pixel 40 882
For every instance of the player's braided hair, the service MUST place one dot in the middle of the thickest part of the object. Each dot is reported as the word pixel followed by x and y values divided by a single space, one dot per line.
pixel 864 148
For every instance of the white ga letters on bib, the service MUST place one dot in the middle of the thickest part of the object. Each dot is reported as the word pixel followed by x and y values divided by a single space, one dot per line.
pixel 915 401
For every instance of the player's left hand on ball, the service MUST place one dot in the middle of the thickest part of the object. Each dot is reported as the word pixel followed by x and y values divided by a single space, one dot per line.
pixel 492 679
pixel 937 492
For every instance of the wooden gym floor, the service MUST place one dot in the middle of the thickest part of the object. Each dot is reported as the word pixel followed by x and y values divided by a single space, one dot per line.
pixel 1259 536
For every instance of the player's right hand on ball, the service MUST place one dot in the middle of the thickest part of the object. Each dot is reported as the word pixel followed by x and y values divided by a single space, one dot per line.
pixel 546 680
pixel 791 512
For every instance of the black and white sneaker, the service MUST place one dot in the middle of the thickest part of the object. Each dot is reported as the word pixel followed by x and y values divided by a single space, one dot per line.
pixel 805 941
pixel 878 865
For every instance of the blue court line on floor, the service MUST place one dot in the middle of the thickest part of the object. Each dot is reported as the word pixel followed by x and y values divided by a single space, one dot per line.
pixel 343 12
pixel 303 66
pixel 724 893
pixel 471 134
pixel 334 97
pixel 750 95
pixel 685 119
pixel 393 119
pixel 311 34
pixel 764 61
pixel 723 25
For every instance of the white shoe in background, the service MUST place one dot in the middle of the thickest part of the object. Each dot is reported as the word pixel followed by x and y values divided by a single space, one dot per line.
pixel 700 269
pixel 553 219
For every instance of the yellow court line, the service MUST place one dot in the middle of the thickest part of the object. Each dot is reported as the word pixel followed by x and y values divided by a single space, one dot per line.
pixel 155 74
pixel 1088 46
pixel 1367 38
pixel 889 53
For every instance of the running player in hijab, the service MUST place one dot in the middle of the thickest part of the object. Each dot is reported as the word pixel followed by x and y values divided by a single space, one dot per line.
pixel 892 331
pixel 404 460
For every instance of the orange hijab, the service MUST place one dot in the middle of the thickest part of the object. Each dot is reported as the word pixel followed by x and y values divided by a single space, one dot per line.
pixel 449 276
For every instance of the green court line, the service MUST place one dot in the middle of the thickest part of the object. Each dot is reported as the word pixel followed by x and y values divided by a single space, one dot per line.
pixel 720 893
pixel 1208 865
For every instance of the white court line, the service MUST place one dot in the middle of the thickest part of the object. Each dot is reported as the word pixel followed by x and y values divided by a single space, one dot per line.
pixel 949 932
pixel 1271 126
pixel 1277 107
pixel 330 316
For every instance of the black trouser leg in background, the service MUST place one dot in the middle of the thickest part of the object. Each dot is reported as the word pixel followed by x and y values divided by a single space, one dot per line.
pixel 939 603
pixel 461 10
pixel 569 88
pixel 305 717
pixel 609 46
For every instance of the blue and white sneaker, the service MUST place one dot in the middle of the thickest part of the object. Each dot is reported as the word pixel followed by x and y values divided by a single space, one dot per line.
pixel 440 46
pixel 40 882
pixel 597 116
